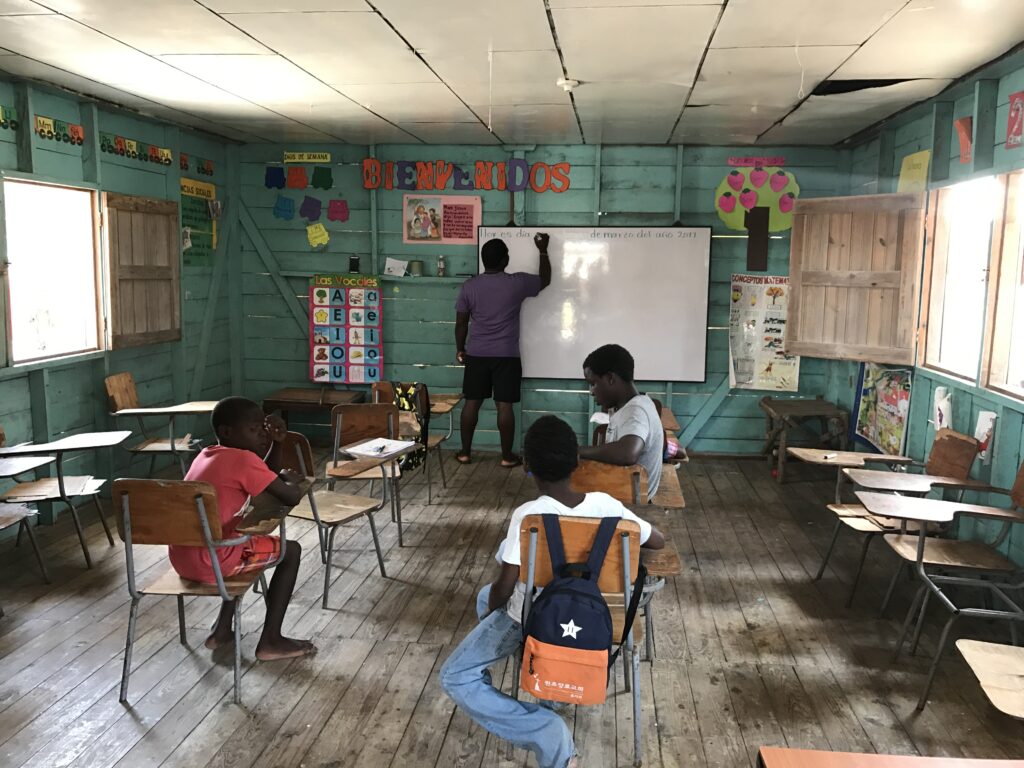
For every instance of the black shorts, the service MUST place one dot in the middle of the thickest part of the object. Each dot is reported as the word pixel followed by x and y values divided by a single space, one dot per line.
pixel 502 375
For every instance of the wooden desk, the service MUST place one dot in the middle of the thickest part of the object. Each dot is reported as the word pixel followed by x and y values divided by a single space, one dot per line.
pixel 174 445
pixel 904 482
pixel 662 563
pixel 193 408
pixel 22 464
pixel 930 510
pixel 308 399
pixel 781 757
pixel 444 404
pixel 1000 671
pixel 781 416
pixel 844 460
pixel 266 511
pixel 669 422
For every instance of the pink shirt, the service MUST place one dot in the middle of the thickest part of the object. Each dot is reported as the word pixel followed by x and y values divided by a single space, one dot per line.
pixel 236 475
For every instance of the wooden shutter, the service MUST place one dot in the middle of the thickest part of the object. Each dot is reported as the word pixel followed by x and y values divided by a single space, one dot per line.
pixel 142 238
pixel 854 277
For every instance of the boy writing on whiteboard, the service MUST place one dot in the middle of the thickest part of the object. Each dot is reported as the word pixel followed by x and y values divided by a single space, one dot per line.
pixel 487 341
pixel 635 434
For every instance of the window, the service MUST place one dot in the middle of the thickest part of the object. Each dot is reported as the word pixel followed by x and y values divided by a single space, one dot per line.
pixel 52 279
pixel 960 249
pixel 1006 355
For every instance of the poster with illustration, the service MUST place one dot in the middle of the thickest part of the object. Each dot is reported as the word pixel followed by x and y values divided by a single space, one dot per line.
pixel 757 335
pixel 446 219
pixel 882 407
pixel 345 329
pixel 757 182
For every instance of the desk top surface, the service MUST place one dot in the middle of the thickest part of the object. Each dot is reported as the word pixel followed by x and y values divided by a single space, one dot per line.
pixel 780 757
pixel 999 669
pixel 312 396
pixel 881 480
pixel 669 421
pixel 664 562
pixel 190 408
pixel 442 404
pixel 929 510
pixel 83 442
pixel 844 459
pixel 352 467
pixel 18 465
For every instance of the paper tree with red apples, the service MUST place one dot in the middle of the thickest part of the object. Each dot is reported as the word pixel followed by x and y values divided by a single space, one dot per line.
pixel 744 188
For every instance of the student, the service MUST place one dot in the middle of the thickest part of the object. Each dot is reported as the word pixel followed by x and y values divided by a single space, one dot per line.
pixel 236 470
pixel 550 453
pixel 491 303
pixel 635 434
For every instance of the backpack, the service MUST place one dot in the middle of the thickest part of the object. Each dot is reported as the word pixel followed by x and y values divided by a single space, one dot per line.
pixel 407 398
pixel 567 649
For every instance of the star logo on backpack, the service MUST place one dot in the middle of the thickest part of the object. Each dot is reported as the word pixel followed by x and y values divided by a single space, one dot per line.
pixel 570 629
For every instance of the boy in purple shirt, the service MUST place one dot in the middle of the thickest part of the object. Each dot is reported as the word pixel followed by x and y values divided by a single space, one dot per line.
pixel 491 302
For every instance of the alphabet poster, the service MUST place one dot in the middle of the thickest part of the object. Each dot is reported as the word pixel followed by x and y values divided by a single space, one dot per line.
pixel 345 326
pixel 448 219
pixel 757 334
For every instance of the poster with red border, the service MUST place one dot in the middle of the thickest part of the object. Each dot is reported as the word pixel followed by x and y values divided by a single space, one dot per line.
pixel 444 219
pixel 345 329
pixel 1015 120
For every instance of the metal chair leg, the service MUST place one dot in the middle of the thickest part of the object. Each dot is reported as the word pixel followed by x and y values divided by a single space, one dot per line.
pixel 892 588
pixel 426 468
pixel 103 520
pixel 649 629
pixel 181 620
pixel 327 566
pixel 868 538
pixel 908 620
pixel 638 748
pixel 935 662
pixel 376 544
pixel 133 615
pixel 35 547
pixel 263 585
pixel 238 650
pixel 17 538
pixel 920 622
pixel 828 552
pixel 440 461
pixel 81 534
pixel 397 501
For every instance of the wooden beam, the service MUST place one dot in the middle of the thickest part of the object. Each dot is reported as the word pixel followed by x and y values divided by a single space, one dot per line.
pixel 210 310
pixel 25 135
pixel 236 331
pixel 705 413
pixel 252 231
pixel 374 246
pixel 42 431
pixel 983 138
pixel 886 169
pixel 941 138
pixel 100 412
pixel 92 165
pixel 5 337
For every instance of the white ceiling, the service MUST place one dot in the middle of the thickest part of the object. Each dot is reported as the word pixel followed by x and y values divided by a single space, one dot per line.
pixel 483 71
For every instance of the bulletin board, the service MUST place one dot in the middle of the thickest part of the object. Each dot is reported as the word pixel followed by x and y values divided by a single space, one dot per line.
pixel 345 329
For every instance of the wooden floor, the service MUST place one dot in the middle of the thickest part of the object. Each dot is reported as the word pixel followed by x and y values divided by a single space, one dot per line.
pixel 750 651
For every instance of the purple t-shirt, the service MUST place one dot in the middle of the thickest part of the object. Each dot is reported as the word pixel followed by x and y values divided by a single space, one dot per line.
pixel 493 302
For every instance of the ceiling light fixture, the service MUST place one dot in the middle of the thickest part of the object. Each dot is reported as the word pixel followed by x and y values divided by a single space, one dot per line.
pixel 567 84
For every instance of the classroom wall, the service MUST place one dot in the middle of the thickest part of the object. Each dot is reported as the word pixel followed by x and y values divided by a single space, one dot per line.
pixel 45 401
pixel 611 185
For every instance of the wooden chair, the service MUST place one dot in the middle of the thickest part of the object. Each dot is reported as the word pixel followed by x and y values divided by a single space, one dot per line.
pixel 165 512
pixel 19 515
pixel 296 454
pixel 618 574
pixel 951 455
pixel 384 392
pixel 627 484
pixel 122 394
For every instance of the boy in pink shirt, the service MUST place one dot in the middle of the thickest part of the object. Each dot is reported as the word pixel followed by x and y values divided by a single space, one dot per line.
pixel 237 471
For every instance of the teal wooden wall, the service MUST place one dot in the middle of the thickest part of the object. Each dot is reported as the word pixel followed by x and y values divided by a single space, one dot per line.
pixel 627 185
pixel 44 401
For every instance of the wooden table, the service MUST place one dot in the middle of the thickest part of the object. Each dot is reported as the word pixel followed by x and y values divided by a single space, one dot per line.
pixel 22 464
pixel 662 563
pixel 308 399
pixel 1000 671
pixel 781 757
pixel 781 416
pixel 192 408
pixel 844 460
pixel 668 421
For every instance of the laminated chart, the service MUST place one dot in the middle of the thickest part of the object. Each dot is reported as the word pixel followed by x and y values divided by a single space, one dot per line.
pixel 345 327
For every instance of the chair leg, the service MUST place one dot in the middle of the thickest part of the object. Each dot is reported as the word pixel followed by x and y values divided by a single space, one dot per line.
pixel 238 650
pixel 327 565
pixel 35 547
pixel 103 520
pixel 908 620
pixel 626 661
pixel 133 615
pixel 638 748
pixel 920 622
pixel 81 535
pixel 376 544
pixel 181 620
pixel 868 538
pixel 892 588
pixel 321 534
pixel 426 469
pixel 263 585
pixel 17 539
pixel 181 464
pixel 828 552
pixel 935 662
pixel 649 629
pixel 440 463
pixel 397 502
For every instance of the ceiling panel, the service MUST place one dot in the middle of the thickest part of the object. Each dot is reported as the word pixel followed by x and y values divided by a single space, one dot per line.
pixel 629 101
pixel 519 77
pixel 673 40
pixel 160 26
pixel 758 24
pixel 283 6
pixel 725 124
pixel 36 70
pixel 541 123
pixel 17 7
pixel 451 133
pixel 626 3
pixel 432 28
pixel 772 76
pixel 415 102
pixel 338 48
pixel 654 131
pixel 939 38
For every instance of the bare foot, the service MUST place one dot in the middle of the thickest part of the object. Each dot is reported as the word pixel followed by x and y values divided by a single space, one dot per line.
pixel 219 640
pixel 285 648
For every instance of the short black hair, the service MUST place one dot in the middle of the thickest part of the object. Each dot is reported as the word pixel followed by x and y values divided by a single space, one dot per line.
pixel 611 358
pixel 550 449
pixel 230 411
pixel 494 254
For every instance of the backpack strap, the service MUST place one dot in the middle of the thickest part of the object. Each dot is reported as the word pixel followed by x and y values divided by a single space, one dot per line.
pixel 631 609
pixel 556 549
pixel 598 550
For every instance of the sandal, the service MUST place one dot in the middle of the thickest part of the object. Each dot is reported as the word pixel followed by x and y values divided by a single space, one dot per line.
pixel 463 458
pixel 515 461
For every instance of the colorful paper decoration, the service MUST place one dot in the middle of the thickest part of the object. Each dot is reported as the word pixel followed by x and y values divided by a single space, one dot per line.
pixel 323 178
pixel 273 177
pixel 882 406
pixel 183 161
pixel 297 178
pixel 317 235
pixel 1014 122
pixel 204 167
pixel 749 161
pixel 747 187
pixel 964 131
pixel 9 117
pixel 311 209
pixel 345 329
pixel 135 150
pixel 337 210
pixel 914 172
pixel 58 130
pixel 425 176
pixel 284 208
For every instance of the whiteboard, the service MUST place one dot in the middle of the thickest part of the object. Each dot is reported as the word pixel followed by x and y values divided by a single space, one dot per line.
pixel 645 288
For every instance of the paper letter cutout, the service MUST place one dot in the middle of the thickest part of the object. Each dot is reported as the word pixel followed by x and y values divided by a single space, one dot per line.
pixel 284 208
pixel 317 235
pixel 311 209
pixel 297 177
pixel 274 178
pixel 322 178
pixel 337 210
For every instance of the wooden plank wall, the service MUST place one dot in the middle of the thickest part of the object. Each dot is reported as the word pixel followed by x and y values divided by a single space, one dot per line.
pixel 48 400
pixel 628 185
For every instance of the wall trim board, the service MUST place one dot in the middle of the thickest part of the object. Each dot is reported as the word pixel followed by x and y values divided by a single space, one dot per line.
pixel 374 245
pixel 42 178
pixel 677 212
pixel 597 186
pixel 253 232
pixel 705 413
pixel 42 432
pixel 92 165
pixel 25 137
pixel 886 169
pixel 234 261
pixel 983 136
pixel 209 311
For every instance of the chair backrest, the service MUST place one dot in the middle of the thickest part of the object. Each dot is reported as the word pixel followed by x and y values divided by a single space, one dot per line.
pixel 578 535
pixel 296 454
pixel 627 484
pixel 166 511
pixel 952 454
pixel 363 421
pixel 121 391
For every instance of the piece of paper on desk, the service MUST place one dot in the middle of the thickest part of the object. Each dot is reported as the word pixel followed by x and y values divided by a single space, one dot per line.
pixel 599 417
pixel 381 447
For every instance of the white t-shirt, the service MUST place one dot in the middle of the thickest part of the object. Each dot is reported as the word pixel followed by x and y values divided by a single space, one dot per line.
pixel 593 505
pixel 639 417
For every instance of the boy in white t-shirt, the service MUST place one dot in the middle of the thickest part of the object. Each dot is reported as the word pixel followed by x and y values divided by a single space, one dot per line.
pixel 550 453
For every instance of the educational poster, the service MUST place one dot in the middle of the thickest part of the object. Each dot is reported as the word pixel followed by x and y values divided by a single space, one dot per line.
pixel 757 182
pixel 345 329
pixel 914 172
pixel 1015 120
pixel 195 218
pixel 448 219
pixel 757 334
pixel 883 405
pixel 983 433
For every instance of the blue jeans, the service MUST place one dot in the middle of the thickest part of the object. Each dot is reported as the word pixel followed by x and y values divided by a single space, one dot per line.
pixel 465 677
